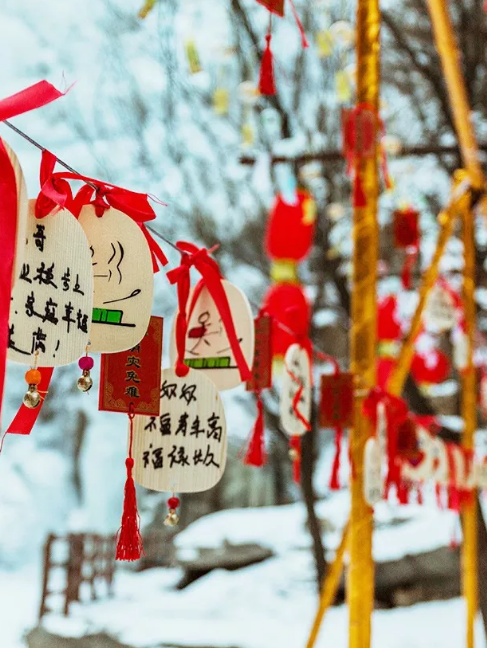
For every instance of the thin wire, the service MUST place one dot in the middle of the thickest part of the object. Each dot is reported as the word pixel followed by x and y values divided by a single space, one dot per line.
pixel 39 146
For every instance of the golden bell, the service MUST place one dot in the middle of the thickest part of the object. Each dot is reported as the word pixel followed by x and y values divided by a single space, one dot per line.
pixel 32 398
pixel 85 382
pixel 293 454
pixel 172 519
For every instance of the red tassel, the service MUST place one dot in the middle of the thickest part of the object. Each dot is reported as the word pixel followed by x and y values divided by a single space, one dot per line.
pixel 256 455
pixel 409 262
pixel 359 199
pixel 267 85
pixel 334 482
pixel 295 453
pixel 129 540
pixel 403 493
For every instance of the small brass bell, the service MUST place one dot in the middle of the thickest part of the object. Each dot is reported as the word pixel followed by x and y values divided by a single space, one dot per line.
pixel 172 519
pixel 85 382
pixel 32 398
pixel 293 454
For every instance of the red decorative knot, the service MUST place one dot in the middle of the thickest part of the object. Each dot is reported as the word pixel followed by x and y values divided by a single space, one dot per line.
pixel 86 363
pixel 173 503
pixel 129 463
pixel 268 38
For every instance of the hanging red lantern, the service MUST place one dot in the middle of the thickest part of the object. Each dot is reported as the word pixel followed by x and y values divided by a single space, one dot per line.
pixel 289 307
pixel 406 228
pixel 430 367
pixel 290 228
pixel 388 325
pixel 385 367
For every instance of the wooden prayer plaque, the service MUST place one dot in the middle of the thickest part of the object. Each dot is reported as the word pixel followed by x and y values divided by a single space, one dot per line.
pixel 53 296
pixel 262 367
pixel 439 312
pixel 297 363
pixel 22 211
pixel 372 472
pixel 184 449
pixel 123 280
pixel 336 401
pixel 207 347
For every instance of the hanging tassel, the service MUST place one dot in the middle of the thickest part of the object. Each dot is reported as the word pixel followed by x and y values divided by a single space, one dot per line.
pixel 403 493
pixel 407 268
pixel 129 540
pixel 267 84
pixel 359 199
pixel 334 482
pixel 256 455
pixel 295 455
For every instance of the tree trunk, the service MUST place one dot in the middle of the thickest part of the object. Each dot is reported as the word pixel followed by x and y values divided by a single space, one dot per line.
pixel 307 470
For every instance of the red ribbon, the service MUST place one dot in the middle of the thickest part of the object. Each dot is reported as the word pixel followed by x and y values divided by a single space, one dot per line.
pixel 24 420
pixel 396 412
pixel 192 256
pixel 35 96
pixel 55 192
pixel 134 204
pixel 298 395
pixel 256 455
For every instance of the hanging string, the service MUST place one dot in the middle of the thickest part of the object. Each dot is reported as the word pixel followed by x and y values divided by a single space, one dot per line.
pixel 320 354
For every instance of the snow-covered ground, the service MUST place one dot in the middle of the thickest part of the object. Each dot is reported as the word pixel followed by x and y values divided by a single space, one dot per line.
pixel 266 605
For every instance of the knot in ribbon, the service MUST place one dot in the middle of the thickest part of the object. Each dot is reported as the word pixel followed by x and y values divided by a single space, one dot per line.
pixel 211 278
pixel 55 192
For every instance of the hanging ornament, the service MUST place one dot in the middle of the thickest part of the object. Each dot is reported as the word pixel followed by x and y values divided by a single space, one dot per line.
pixel 192 56
pixel 261 380
pixel 32 397
pixel 440 311
pixel 290 310
pixel 215 333
pixel 372 484
pixel 185 449
pixel 123 279
pixel 406 237
pixel 22 209
pixel 85 382
pixel 172 518
pixel 290 228
pixel 343 87
pixel 146 8
pixel 131 379
pixel 343 33
pixel 53 297
pixel 336 411
pixel 461 348
pixel 295 402
pixel 324 43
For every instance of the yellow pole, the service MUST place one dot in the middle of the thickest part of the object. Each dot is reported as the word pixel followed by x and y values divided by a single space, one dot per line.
pixel 330 587
pixel 447 47
pixel 363 334
pixel 469 414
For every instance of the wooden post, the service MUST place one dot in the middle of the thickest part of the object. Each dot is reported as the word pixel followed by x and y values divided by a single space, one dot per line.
pixel 363 334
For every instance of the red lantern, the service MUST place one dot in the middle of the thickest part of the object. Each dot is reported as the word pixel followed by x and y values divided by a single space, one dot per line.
pixel 288 305
pixel 290 228
pixel 431 367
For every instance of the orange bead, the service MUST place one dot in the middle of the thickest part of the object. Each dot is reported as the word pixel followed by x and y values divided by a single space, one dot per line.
pixel 33 377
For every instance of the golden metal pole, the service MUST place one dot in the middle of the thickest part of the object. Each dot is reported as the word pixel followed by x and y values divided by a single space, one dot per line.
pixel 363 334
pixel 469 414
pixel 447 47
pixel 330 587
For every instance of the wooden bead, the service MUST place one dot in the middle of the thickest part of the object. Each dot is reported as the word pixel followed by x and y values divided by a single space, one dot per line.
pixel 33 377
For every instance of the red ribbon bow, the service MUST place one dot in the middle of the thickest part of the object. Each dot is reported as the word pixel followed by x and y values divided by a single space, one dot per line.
pixel 34 96
pixel 55 192
pixel 192 256
pixel 133 204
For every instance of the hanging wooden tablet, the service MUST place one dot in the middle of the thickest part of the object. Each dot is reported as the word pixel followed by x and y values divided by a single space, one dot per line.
pixel 372 472
pixel 22 211
pixel 262 366
pixel 296 394
pixel 134 376
pixel 123 280
pixel 53 297
pixel 336 400
pixel 185 448
pixel 207 348
pixel 439 312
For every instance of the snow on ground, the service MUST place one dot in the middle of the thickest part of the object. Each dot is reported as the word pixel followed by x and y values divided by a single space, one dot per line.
pixel 266 605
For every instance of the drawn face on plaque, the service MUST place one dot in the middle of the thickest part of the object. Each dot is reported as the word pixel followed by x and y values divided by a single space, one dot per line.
pixel 123 280
pixel 52 299
pixel 208 349
pixel 22 211
pixel 298 362
pixel 185 448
